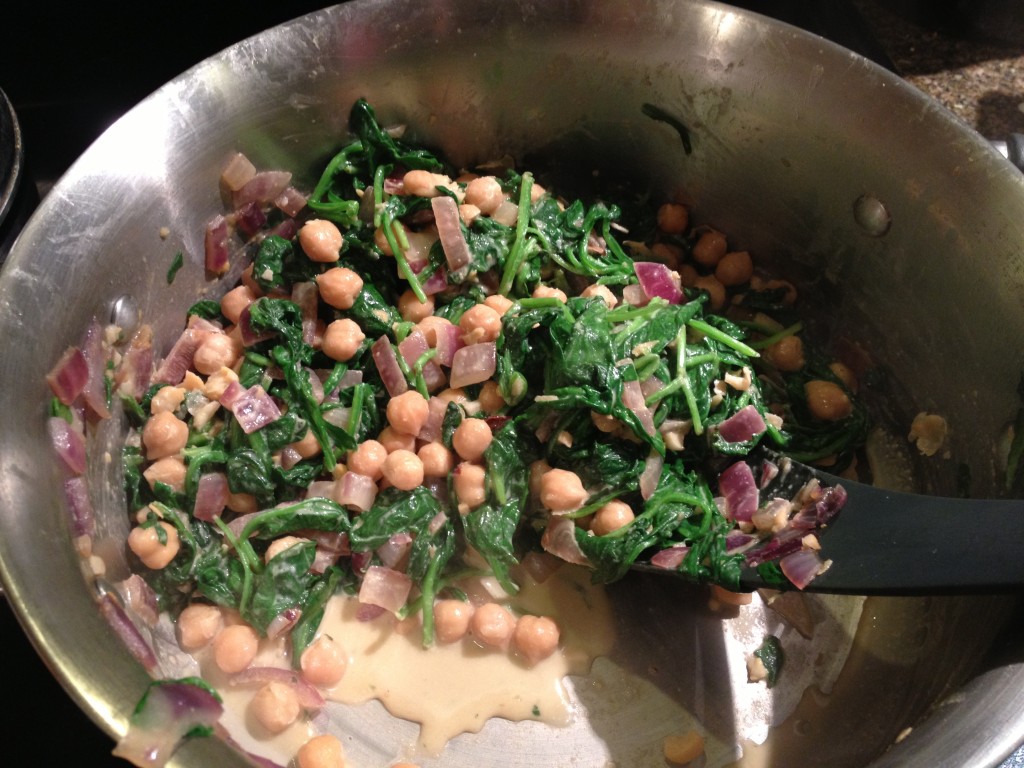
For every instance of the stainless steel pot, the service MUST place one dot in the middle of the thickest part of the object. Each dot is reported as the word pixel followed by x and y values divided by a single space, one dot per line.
pixel 895 217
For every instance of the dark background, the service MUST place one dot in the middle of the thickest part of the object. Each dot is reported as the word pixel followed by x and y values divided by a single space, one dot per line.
pixel 70 70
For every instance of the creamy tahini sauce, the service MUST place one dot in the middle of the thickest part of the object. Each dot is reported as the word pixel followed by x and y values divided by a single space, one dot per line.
pixel 446 689
pixel 453 689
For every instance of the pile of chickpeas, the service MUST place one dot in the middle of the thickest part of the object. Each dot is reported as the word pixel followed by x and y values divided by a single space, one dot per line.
pixel 397 457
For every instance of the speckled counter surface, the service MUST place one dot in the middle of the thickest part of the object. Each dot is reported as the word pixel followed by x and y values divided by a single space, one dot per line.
pixel 974 66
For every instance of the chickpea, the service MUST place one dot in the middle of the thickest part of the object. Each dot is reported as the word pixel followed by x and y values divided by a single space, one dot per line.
pixel 479 323
pixel 437 460
pixel 683 748
pixel 308 446
pixel 468 213
pixel 673 218
pixel 277 546
pixel 342 339
pixel 218 350
pixel 169 470
pixel 235 647
pixel 492 624
pixel 321 240
pixel 787 354
pixel 451 620
pixel 709 248
pixel 412 309
pixel 716 291
pixel 687 275
pixel 324 662
pixel 535 637
pixel 734 269
pixel 485 193
pixel 538 469
pixel 845 374
pixel 198 624
pixel 827 400
pixel 368 458
pixel 602 292
pixel 407 412
pixel 403 469
pixel 457 395
pixel 323 751
pixel 562 490
pixel 500 304
pixel 236 300
pixel 164 435
pixel 424 183
pixel 339 287
pixel 275 706
pixel 549 292
pixel 167 399
pixel 471 438
pixel 155 545
pixel 611 517
pixel 393 440
pixel 490 398
pixel 470 484
pixel 242 503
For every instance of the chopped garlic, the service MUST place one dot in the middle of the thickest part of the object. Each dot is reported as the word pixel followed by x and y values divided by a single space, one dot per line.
pixel 929 432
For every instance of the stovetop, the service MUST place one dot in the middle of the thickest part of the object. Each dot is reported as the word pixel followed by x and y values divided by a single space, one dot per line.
pixel 73 69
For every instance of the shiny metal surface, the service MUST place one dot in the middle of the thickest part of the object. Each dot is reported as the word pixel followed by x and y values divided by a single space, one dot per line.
pixel 788 133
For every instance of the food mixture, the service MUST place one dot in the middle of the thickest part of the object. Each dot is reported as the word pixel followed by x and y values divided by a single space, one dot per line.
pixel 430 393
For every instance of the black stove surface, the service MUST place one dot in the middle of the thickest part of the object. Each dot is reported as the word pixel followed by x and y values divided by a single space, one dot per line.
pixel 72 69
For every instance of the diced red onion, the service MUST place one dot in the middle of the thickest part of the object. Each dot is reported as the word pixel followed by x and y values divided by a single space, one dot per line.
pixel 140 598
pixel 670 558
pixel 283 622
pixel 449 341
pixel 742 426
pixel 541 565
pixel 289 457
pixel 385 587
pixel 394 183
pixel 330 546
pixel 801 567
pixel 320 489
pixel 212 495
pixel 355 491
pixel 361 561
pixel 473 364
pixel 650 385
pixel 253 408
pixel 769 471
pixel 309 697
pixel 560 540
pixel 436 283
pixel 634 296
pixel 118 620
pixel 133 375
pixel 287 229
pixel 173 367
pixel 263 188
pixel 657 279
pixel 291 201
pixel 785 542
pixel 81 515
pixel 395 550
pixel 217 254
pixel 250 218
pixel 173 710
pixel 412 347
pixel 237 173
pixel 737 541
pixel 436 409
pixel 369 612
pixel 651 475
pixel 307 296
pixel 69 443
pixel 386 360
pixel 739 488
pixel 449 230
pixel 95 391
pixel 248 333
pixel 68 377
pixel 633 399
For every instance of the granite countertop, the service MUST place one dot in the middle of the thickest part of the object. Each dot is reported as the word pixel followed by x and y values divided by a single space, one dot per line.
pixel 971 62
